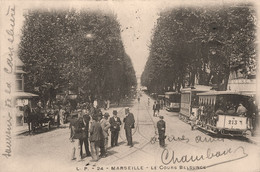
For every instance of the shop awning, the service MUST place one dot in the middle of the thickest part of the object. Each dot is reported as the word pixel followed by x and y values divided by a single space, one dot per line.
pixel 24 95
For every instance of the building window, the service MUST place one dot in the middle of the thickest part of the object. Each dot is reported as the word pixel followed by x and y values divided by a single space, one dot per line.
pixel 19 82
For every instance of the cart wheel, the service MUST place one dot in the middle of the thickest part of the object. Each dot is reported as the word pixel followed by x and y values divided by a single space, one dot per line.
pixel 49 125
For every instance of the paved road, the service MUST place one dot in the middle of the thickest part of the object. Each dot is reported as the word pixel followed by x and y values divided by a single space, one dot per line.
pixel 50 151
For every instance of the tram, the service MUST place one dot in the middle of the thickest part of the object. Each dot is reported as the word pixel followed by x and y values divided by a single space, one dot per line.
pixel 190 101
pixel 172 101
pixel 218 113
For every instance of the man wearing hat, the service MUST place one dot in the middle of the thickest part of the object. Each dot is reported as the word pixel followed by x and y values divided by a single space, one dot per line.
pixel 161 131
pixel 96 136
pixel 85 118
pixel 105 125
pixel 115 123
pixel 129 124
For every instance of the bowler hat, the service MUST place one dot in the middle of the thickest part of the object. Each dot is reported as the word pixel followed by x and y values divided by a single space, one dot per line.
pixel 106 114
pixel 161 117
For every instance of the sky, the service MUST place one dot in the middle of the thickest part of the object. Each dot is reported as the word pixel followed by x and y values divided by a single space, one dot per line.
pixel 137 24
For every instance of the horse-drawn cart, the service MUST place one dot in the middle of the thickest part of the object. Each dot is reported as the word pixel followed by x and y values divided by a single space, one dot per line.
pixel 45 118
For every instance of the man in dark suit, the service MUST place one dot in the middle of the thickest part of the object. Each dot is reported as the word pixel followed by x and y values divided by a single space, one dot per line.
pixel 95 138
pixel 85 120
pixel 28 117
pixel 129 124
pixel 115 123
pixel 161 131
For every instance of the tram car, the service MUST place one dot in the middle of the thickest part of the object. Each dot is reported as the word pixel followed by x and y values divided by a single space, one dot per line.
pixel 172 101
pixel 190 101
pixel 225 113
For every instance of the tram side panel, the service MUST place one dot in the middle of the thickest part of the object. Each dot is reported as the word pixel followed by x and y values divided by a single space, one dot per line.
pixel 185 106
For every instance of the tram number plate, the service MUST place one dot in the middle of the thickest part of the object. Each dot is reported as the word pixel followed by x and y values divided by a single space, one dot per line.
pixel 235 122
pixel 232 122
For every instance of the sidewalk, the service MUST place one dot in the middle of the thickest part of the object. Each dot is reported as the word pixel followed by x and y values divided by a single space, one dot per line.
pixel 21 129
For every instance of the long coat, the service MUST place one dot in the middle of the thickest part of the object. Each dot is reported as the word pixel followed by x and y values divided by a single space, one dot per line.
pixel 76 126
pixel 115 125
pixel 129 121
pixel 105 125
pixel 96 132
pixel 86 119
pixel 161 128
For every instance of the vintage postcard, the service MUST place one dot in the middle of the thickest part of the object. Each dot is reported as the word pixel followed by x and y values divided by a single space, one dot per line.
pixel 143 85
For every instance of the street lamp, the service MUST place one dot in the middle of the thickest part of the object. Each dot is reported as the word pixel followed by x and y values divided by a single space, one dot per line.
pixel 89 36
pixel 213 52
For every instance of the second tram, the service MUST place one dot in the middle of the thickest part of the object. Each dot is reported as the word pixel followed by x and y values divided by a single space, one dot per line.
pixel 172 101
pixel 190 101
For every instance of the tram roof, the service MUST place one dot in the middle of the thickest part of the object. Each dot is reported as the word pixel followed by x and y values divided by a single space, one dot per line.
pixel 245 93
pixel 196 88
pixel 171 92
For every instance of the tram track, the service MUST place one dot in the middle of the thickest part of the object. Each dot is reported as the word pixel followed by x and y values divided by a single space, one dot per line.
pixel 137 130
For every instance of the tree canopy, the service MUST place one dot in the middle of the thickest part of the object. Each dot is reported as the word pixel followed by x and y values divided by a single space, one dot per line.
pixel 203 43
pixel 73 50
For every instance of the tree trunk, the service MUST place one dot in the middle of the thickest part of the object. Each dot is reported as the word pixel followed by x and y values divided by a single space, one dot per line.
pixel 192 79
pixel 226 78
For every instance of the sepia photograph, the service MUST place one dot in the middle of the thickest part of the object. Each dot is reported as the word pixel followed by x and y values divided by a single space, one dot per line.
pixel 120 85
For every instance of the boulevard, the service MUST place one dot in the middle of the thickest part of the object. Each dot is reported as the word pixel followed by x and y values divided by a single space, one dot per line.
pixel 185 148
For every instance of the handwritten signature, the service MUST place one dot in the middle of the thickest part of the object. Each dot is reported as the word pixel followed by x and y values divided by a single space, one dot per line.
pixel 168 157
pixel 8 89
pixel 8 138
pixel 183 138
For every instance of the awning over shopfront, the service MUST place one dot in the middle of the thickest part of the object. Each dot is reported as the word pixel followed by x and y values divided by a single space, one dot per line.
pixel 24 95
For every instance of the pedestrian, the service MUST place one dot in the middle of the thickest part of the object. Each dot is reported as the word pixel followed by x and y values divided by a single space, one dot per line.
pixel 96 135
pixel 85 139
pixel 241 110
pixel 28 117
pixel 251 113
pixel 108 104
pixel 138 99
pixel 105 125
pixel 148 101
pixel 115 123
pixel 161 131
pixel 62 115
pixel 95 103
pixel 75 136
pixel 39 110
pixel 193 120
pixel 154 108
pixel 158 108
pixel 105 104
pixel 129 125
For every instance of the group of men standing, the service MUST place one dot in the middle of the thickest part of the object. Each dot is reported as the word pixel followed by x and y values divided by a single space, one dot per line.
pixel 94 128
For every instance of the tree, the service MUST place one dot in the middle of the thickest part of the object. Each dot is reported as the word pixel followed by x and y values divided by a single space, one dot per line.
pixel 74 50
pixel 204 42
